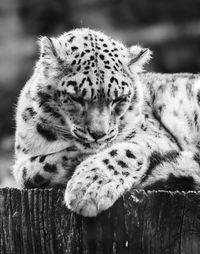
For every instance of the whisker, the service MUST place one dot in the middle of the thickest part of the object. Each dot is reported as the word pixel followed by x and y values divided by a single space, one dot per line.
pixel 60 130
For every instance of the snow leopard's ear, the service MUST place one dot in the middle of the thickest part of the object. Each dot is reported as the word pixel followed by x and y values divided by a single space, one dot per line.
pixel 48 46
pixel 50 50
pixel 138 57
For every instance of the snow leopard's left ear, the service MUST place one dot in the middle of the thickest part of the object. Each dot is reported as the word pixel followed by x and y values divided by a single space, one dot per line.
pixel 138 57
pixel 48 46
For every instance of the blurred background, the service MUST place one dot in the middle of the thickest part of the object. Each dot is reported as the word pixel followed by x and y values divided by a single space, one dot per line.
pixel 170 28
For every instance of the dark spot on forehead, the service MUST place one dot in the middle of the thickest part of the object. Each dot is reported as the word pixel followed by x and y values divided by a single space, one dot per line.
pixel 92 92
pixel 74 48
pixel 86 67
pixel 73 62
pixel 129 154
pixel 84 92
pixel 102 57
pixel 112 79
pixel 82 82
pixel 89 81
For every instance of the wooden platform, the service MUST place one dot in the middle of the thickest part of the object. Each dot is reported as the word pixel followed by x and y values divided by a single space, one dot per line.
pixel 37 221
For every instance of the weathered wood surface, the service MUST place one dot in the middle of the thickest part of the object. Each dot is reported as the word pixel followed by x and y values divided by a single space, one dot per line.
pixel 157 222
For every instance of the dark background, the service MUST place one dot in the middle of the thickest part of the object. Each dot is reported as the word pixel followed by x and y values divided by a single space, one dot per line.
pixel 170 28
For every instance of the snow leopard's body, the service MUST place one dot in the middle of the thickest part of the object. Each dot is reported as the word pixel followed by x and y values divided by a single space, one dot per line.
pixel 86 119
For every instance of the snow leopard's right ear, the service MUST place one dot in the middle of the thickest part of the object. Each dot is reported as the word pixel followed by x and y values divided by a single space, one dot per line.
pixel 51 51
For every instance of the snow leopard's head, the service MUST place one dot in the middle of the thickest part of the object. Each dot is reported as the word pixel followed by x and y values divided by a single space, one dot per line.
pixel 86 83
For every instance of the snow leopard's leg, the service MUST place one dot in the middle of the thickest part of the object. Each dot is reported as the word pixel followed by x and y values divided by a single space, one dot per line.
pixel 101 179
pixel 46 170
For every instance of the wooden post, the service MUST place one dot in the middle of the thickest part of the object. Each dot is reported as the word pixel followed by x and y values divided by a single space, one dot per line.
pixel 158 222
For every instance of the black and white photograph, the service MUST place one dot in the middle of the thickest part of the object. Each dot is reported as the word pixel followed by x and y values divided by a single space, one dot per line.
pixel 99 127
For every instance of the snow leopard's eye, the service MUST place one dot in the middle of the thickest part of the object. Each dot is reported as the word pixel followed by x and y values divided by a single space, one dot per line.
pixel 119 105
pixel 118 100
pixel 77 99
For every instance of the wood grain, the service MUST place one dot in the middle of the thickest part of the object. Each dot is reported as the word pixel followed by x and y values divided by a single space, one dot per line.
pixel 157 222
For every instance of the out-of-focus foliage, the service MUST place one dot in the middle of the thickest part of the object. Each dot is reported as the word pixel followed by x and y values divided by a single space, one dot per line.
pixel 170 28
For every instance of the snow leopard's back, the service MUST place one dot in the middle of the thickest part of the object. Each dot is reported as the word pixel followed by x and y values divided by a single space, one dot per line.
pixel 174 100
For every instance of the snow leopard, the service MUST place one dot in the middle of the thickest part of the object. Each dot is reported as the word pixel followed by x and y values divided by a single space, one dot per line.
pixel 91 120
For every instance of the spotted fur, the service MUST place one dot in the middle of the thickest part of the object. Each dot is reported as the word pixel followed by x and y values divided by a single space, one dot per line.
pixel 87 119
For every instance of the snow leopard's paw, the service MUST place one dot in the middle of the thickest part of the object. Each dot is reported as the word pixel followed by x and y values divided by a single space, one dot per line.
pixel 92 190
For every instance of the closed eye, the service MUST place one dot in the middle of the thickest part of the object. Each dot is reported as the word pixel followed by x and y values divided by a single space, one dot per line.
pixel 77 99
pixel 119 99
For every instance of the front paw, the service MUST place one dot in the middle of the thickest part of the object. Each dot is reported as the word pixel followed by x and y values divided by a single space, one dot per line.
pixel 91 194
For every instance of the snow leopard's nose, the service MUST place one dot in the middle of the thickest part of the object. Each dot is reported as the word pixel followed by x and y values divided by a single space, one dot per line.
pixel 96 134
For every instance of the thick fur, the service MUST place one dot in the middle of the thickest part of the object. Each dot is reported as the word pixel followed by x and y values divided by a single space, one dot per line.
pixel 88 120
